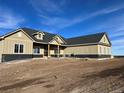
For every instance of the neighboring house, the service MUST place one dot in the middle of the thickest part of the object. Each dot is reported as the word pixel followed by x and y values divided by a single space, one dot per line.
pixel 29 43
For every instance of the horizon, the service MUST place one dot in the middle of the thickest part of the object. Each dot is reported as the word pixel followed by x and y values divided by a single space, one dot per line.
pixel 67 18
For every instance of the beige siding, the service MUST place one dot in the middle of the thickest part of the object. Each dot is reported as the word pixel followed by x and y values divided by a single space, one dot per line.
pixel 52 52
pixel 1 49
pixel 104 50
pixel 54 42
pixel 82 50
pixel 59 40
pixel 61 52
pixel 1 46
pixel 41 51
pixel 17 38
pixel 104 40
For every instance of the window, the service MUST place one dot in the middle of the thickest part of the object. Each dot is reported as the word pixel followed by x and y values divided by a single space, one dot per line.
pixel 21 48
pixel 104 39
pixel 56 51
pixel 100 50
pixel 104 50
pixel 36 50
pixel 18 48
pixel 108 50
pixel 40 36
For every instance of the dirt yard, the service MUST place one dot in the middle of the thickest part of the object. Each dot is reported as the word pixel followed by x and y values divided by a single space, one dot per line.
pixel 62 76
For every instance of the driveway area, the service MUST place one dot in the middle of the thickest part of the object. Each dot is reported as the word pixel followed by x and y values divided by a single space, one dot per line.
pixel 63 76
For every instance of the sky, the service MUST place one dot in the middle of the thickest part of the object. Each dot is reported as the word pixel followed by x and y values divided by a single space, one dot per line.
pixel 69 18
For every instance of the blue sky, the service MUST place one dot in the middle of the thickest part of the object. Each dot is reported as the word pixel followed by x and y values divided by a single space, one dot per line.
pixel 68 18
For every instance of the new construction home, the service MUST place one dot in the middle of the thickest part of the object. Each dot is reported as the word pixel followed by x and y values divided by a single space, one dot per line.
pixel 29 43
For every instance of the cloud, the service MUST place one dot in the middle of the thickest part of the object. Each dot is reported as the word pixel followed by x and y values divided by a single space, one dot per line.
pixel 60 22
pixel 47 6
pixel 117 34
pixel 118 41
pixel 112 9
pixel 8 19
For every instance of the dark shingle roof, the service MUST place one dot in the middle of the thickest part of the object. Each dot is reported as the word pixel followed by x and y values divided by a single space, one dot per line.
pixel 47 37
pixel 94 38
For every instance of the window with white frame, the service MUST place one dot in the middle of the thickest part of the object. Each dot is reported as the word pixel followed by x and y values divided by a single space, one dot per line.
pixel 108 50
pixel 104 50
pixel 40 36
pixel 37 50
pixel 18 48
pixel 100 50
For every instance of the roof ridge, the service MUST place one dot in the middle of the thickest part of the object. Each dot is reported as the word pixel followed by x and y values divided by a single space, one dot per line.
pixel 37 30
pixel 87 35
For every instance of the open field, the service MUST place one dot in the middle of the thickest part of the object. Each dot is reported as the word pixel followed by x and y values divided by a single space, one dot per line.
pixel 63 76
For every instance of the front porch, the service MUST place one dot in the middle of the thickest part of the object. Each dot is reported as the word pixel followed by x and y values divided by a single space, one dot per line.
pixel 48 50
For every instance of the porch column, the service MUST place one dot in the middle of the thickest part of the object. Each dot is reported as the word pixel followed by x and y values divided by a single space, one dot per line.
pixel 48 50
pixel 58 51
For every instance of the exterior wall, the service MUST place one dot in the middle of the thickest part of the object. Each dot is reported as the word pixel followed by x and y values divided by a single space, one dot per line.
pixel 92 49
pixel 9 44
pixel 42 50
pixel 61 52
pixel 58 39
pixel 104 40
pixel 1 49
pixel 104 50
pixel 53 53
pixel 54 42
pixel 10 41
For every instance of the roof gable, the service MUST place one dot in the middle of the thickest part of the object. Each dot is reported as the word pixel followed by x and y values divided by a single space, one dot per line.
pixel 105 39
pixel 54 42
pixel 16 31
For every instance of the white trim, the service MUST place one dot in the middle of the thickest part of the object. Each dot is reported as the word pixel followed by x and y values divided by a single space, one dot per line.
pixel 54 44
pixel 38 33
pixel 59 37
pixel 55 40
pixel 17 31
pixel 106 36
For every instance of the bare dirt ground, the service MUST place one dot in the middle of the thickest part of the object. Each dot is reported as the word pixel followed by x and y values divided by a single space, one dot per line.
pixel 63 76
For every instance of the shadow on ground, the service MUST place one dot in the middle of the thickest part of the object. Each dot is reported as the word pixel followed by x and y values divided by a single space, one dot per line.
pixel 25 83
pixel 106 73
